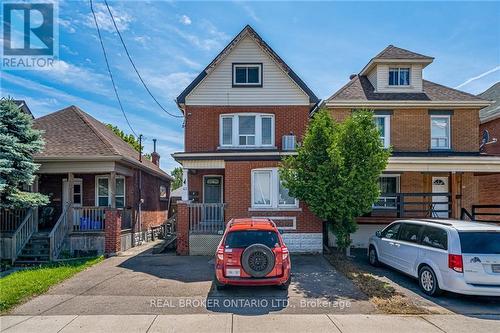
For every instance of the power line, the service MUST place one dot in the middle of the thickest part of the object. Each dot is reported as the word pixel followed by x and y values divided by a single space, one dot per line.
pixel 109 69
pixel 133 65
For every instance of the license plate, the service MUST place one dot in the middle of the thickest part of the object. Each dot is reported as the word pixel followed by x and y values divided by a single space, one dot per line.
pixel 495 268
pixel 233 272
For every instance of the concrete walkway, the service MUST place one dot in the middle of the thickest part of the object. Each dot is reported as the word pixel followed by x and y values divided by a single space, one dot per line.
pixel 238 323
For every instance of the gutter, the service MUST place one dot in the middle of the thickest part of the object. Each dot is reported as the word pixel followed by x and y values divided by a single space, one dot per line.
pixel 385 103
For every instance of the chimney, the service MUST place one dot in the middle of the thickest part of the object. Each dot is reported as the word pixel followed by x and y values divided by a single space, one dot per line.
pixel 352 76
pixel 155 157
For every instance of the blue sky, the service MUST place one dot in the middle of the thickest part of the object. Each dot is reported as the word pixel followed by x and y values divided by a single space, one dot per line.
pixel 324 42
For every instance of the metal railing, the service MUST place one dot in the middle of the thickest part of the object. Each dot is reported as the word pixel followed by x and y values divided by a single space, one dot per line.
pixel 423 204
pixel 206 218
pixel 490 211
pixel 23 233
pixel 88 218
pixel 11 219
pixel 59 233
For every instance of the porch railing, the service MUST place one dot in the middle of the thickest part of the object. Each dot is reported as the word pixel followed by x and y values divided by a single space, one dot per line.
pixel 482 213
pixel 88 218
pixel 206 218
pixel 11 219
pixel 59 233
pixel 419 204
pixel 23 233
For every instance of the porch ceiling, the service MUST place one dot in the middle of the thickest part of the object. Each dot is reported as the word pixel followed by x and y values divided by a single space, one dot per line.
pixel 63 167
pixel 445 164
pixel 203 164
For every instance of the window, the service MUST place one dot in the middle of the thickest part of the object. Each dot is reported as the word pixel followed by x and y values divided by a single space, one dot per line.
pixel 410 233
pixel 163 192
pixel 247 75
pixel 440 132
pixel 486 242
pixel 435 237
pixel 103 192
pixel 245 238
pixel 383 125
pixel 391 232
pixel 399 76
pixel 77 194
pixel 269 192
pixel 247 130
pixel 389 185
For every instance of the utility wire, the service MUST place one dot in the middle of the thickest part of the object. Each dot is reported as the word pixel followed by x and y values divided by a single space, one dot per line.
pixel 109 69
pixel 135 68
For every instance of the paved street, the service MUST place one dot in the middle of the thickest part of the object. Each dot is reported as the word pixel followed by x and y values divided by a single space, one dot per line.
pixel 239 323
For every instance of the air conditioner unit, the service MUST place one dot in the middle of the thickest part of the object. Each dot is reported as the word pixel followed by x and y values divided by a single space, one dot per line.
pixel 288 142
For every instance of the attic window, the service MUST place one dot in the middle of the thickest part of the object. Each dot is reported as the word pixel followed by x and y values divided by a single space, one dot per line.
pixel 247 75
pixel 399 76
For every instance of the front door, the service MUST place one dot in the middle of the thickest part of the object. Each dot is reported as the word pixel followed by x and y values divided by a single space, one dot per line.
pixel 440 202
pixel 212 195
pixel 77 199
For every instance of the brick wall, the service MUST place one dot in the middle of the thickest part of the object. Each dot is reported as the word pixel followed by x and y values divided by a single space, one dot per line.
pixel 202 123
pixel 469 190
pixel 195 181
pixel 154 210
pixel 410 129
pixel 494 128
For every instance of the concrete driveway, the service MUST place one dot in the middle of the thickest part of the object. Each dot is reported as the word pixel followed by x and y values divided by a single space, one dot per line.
pixel 139 282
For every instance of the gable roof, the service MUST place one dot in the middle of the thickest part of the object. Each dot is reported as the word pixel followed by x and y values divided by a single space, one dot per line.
pixel 247 31
pixel 24 107
pixel 393 52
pixel 70 133
pixel 493 111
pixel 359 89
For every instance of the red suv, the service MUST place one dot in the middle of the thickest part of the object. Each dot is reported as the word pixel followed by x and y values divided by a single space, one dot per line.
pixel 252 253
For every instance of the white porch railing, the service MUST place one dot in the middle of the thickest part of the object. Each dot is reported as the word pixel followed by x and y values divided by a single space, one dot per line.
pixel 88 218
pixel 59 233
pixel 23 233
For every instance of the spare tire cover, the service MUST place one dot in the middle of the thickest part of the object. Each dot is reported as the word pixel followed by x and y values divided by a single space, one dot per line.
pixel 258 260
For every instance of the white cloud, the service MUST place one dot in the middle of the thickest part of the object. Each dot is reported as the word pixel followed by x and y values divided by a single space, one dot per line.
pixel 186 20
pixel 214 40
pixel 249 10
pixel 122 18
pixel 474 78
pixel 143 40
pixel 67 25
pixel 169 84
pixel 189 62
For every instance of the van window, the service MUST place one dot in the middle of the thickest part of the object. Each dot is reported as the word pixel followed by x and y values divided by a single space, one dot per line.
pixel 480 242
pixel 410 232
pixel 435 237
pixel 245 238
pixel 391 232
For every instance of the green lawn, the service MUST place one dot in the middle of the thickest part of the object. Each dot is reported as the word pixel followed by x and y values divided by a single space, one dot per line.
pixel 19 286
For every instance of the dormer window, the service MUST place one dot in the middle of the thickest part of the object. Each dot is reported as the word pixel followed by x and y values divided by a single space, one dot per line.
pixel 247 75
pixel 399 76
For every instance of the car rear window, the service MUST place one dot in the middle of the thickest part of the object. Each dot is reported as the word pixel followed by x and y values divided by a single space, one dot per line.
pixel 480 242
pixel 245 238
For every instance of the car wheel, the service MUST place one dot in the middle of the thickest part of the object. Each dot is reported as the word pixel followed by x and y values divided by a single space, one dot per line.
pixel 218 285
pixel 258 260
pixel 373 257
pixel 285 285
pixel 428 281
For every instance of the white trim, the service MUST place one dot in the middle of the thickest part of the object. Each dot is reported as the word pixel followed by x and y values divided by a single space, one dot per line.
pixel 293 218
pixel 258 130
pixel 448 117
pixel 219 155
pixel 401 104
pixel 374 62
pixel 399 68
pixel 109 190
pixel 445 164
pixel 221 186
pixel 78 181
pixel 259 66
pixel 274 191
pixel 387 129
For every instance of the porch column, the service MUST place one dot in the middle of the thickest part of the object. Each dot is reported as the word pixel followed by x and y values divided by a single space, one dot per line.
pixel 112 187
pixel 455 209
pixel 112 232
pixel 71 182
pixel 185 188
pixel 34 189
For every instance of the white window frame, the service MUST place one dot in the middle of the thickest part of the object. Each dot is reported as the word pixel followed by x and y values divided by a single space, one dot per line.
pixel 274 192
pixel 259 66
pixel 398 189
pixel 387 128
pixel 235 130
pixel 398 84
pixel 109 191
pixel 448 117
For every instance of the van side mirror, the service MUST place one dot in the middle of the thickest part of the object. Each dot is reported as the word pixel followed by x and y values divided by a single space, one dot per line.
pixel 378 233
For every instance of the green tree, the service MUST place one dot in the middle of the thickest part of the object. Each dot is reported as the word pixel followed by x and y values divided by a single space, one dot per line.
pixel 177 174
pixel 18 142
pixel 130 139
pixel 336 170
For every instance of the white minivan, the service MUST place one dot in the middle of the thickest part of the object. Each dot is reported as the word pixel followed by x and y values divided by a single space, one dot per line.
pixel 457 256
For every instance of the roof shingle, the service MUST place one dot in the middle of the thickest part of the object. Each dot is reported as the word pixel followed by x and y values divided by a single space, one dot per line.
pixel 393 52
pixel 493 111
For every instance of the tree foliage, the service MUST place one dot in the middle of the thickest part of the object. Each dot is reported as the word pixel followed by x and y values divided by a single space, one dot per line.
pixel 18 142
pixel 337 169
pixel 177 174
pixel 130 139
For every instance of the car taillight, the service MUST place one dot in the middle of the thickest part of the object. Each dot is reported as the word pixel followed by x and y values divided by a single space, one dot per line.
pixel 455 262
pixel 284 252
pixel 220 253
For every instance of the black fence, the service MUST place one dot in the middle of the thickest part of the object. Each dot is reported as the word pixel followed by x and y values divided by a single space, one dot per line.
pixel 482 213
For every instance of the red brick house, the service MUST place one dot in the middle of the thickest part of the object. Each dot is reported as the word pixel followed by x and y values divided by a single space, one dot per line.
pixel 243 113
pixel 104 198
pixel 436 168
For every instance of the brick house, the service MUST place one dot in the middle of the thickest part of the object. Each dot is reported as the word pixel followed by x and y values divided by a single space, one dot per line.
pixel 104 198
pixel 243 113
pixel 436 168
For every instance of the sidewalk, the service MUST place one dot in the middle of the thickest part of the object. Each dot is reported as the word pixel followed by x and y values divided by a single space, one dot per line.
pixel 237 324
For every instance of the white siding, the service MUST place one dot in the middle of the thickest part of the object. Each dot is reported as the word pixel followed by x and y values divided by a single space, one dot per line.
pixel 383 78
pixel 304 242
pixel 277 89
pixel 372 77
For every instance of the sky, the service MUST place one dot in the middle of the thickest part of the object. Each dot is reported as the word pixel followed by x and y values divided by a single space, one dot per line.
pixel 171 42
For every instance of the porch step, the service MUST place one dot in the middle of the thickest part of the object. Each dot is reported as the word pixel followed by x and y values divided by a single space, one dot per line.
pixel 36 251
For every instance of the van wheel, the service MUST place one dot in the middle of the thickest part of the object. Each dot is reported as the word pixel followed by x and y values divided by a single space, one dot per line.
pixel 373 256
pixel 428 281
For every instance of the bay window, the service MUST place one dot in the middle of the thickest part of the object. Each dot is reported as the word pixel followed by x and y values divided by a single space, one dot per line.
pixel 268 190
pixel 389 186
pixel 246 130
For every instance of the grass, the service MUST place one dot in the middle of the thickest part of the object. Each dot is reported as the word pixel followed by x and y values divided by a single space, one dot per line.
pixel 387 299
pixel 19 286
